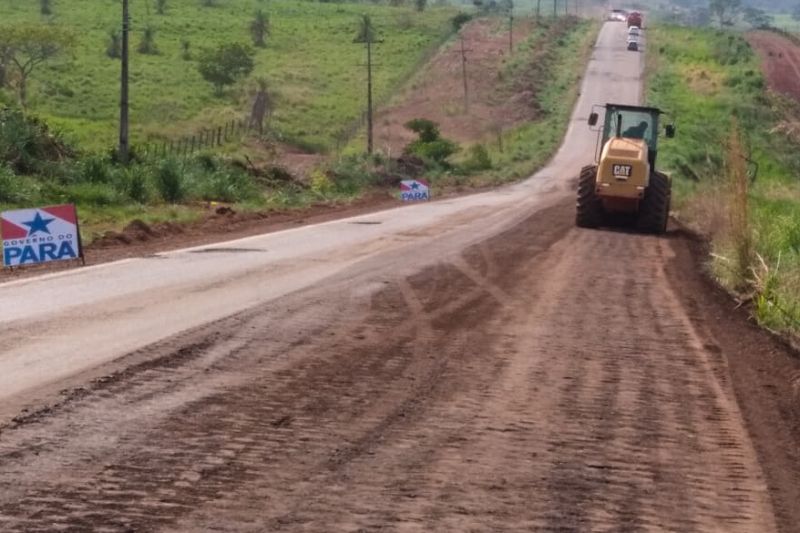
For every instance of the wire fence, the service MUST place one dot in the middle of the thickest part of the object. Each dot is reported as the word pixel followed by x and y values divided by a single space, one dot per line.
pixel 205 139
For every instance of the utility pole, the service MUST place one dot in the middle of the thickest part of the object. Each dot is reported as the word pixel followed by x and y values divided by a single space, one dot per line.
pixel 538 9
pixel 464 73
pixel 366 35
pixel 555 8
pixel 124 147
pixel 369 95
pixel 511 30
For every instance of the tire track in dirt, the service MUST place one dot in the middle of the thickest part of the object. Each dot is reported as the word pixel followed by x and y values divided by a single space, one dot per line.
pixel 545 379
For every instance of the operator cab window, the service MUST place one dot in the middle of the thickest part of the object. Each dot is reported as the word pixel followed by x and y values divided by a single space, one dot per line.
pixel 635 125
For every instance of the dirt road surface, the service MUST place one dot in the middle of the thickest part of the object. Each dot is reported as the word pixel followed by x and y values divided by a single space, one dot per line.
pixel 471 365
pixel 780 59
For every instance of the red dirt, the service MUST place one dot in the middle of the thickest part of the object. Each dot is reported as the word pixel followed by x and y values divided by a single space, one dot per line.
pixel 492 391
pixel 780 61
pixel 437 95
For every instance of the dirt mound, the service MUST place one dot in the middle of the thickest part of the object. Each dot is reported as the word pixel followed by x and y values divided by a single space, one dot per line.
pixel 136 231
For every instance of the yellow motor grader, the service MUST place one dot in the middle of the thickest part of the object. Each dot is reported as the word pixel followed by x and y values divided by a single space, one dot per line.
pixel 623 184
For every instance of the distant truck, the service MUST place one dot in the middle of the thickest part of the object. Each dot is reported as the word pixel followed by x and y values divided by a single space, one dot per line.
pixel 634 19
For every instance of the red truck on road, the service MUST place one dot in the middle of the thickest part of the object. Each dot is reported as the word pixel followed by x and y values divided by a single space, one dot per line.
pixel 634 19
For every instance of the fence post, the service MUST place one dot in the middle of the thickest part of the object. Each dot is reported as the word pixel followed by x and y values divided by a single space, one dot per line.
pixel 191 150
pixel 219 136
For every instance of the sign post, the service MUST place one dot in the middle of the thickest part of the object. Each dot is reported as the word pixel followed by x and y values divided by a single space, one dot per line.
pixel 40 235
pixel 414 190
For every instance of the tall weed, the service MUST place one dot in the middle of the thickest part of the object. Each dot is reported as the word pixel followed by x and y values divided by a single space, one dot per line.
pixel 739 231
pixel 169 181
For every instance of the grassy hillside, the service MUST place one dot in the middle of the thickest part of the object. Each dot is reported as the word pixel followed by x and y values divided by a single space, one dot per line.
pixel 710 81
pixel 311 63
pixel 39 169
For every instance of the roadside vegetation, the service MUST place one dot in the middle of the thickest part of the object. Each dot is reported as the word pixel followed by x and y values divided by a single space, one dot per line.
pixel 59 146
pixel 552 61
pixel 547 68
pixel 734 163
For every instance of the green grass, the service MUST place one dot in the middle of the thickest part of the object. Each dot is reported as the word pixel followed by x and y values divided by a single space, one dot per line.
pixel 311 63
pixel 705 78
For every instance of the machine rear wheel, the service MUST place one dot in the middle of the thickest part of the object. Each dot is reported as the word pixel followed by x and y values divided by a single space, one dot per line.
pixel 654 208
pixel 589 212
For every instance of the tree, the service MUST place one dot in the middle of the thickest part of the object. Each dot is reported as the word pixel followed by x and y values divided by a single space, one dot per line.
pixel 757 18
pixel 114 46
pixel 725 10
pixel 420 5
pixel 45 7
pixel 161 6
pixel 226 64
pixel 5 61
pixel 148 43
pixel 259 28
pixel 25 47
pixel 366 31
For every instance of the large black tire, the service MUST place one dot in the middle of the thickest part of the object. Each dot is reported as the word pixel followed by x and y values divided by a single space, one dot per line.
pixel 589 212
pixel 654 207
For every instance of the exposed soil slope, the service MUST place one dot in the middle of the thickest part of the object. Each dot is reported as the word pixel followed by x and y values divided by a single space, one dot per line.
pixel 438 92
pixel 780 61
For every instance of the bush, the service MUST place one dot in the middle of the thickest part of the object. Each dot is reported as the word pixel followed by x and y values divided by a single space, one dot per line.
pixel 170 182
pixel 429 145
pixel 226 186
pixel 321 183
pixel 226 64
pixel 95 169
pixel 459 20
pixel 133 182
pixel 352 173
pixel 12 188
pixel 148 43
pixel 26 143
pixel 478 159
pixel 114 46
